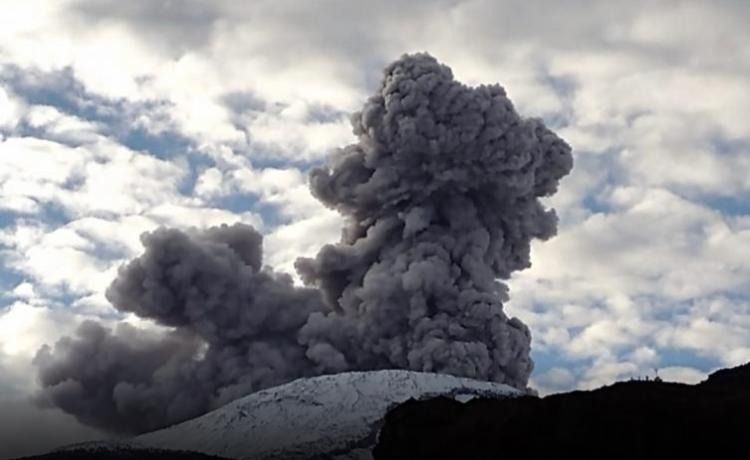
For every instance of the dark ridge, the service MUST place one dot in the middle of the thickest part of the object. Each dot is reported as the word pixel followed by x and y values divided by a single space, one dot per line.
pixel 627 420
pixel 729 378
pixel 122 453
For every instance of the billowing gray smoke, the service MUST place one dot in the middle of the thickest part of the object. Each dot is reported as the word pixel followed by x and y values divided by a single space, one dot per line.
pixel 440 194
pixel 235 331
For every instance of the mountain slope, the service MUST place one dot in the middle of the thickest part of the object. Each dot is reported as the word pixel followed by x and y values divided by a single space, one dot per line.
pixel 320 416
pixel 117 451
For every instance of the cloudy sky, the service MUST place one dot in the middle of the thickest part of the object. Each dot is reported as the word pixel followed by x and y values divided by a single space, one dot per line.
pixel 118 117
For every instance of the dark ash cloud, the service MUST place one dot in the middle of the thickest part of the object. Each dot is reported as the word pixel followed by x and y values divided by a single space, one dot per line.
pixel 440 195
pixel 27 430
pixel 235 327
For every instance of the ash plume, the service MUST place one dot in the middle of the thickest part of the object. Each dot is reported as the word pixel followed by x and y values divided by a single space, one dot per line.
pixel 440 195
pixel 235 327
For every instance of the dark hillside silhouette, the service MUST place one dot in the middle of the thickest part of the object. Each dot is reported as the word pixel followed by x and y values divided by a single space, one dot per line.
pixel 627 420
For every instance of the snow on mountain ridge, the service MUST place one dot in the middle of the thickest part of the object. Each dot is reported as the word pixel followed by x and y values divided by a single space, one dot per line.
pixel 322 415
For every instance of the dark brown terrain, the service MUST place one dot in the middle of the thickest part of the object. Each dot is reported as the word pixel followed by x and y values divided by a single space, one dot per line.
pixel 627 420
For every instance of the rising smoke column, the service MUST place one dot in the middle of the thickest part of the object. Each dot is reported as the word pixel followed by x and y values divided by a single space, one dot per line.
pixel 440 196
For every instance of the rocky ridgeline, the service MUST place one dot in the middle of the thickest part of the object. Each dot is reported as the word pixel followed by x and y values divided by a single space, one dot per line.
pixel 627 420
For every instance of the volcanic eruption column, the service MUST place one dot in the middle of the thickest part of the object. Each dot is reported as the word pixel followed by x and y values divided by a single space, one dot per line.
pixel 440 197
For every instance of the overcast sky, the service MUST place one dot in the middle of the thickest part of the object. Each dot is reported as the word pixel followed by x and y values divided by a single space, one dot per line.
pixel 117 117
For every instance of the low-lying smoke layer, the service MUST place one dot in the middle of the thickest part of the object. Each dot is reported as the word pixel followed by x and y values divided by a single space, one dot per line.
pixel 440 195
pixel 235 331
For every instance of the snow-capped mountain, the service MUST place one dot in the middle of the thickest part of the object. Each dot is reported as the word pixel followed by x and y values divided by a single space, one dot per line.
pixel 332 416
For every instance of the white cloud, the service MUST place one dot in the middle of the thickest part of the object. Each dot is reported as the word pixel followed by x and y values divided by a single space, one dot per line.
pixel 24 290
pixel 298 138
pixel 60 126
pixel 81 257
pixel 716 327
pixel 20 204
pixel 121 181
pixel 301 238
pixel 10 109
pixel 118 235
pixel 644 356
pixel 309 226
pixel 606 372
pixel 696 26
pixel 653 242
pixel 172 215
pixel 284 188
pixel 211 183
pixel 553 380
pixel 77 258
pixel 66 267
pixel 102 177
pixel 28 162
pixel 625 287
pixel 31 327
pixel 682 374
pixel 107 194
pixel 679 151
